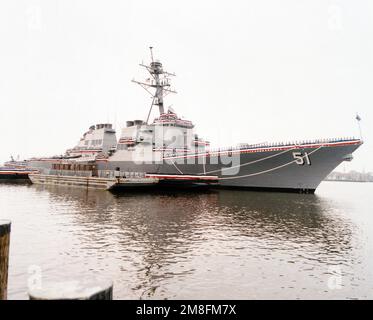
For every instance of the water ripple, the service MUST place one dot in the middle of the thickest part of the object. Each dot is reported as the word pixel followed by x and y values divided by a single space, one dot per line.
pixel 226 244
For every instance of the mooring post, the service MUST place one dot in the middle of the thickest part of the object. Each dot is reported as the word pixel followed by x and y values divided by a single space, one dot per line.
pixel 79 289
pixel 4 257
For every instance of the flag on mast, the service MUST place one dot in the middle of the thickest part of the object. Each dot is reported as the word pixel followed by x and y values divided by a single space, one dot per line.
pixel 358 118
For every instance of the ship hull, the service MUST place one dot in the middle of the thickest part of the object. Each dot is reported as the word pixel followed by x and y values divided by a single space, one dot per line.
pixel 269 169
pixel 281 168
pixel 13 174
pixel 279 171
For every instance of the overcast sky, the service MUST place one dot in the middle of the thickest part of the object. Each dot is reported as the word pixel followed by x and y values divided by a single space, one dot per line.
pixel 247 71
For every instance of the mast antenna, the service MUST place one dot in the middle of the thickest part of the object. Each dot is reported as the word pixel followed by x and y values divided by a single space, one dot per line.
pixel 358 119
pixel 151 53
pixel 159 81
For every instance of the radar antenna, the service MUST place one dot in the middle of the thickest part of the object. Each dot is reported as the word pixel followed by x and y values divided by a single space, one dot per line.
pixel 159 80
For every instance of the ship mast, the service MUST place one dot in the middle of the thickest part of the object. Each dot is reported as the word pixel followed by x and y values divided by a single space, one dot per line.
pixel 160 81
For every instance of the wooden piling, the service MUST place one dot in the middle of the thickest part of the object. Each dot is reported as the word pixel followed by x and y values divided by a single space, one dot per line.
pixel 79 289
pixel 4 257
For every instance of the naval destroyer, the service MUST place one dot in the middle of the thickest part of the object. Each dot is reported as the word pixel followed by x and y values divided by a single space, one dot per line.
pixel 168 145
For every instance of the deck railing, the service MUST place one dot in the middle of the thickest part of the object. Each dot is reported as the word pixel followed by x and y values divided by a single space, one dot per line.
pixel 284 144
pixel 267 145
pixel 66 172
pixel 120 174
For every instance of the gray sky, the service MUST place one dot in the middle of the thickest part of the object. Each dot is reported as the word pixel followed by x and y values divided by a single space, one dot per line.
pixel 247 71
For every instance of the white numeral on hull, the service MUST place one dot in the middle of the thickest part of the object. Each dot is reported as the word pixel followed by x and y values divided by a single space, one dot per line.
pixel 301 159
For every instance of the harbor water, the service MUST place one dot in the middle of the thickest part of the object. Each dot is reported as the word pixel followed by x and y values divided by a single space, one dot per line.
pixel 202 245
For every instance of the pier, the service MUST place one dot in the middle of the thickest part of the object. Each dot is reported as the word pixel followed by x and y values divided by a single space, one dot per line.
pixel 4 257
pixel 90 182
pixel 125 181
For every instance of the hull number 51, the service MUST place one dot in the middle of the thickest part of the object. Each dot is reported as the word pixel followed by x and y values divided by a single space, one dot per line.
pixel 301 158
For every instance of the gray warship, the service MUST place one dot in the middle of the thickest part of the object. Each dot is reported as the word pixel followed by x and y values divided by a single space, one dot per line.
pixel 168 145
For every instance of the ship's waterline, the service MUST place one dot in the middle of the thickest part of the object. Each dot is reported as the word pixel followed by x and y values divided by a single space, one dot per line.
pixel 220 245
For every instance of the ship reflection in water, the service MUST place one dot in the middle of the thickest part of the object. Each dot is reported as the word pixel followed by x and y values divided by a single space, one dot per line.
pixel 219 245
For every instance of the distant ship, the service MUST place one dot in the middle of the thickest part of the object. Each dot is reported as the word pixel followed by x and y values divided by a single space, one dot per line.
pixel 15 170
pixel 169 146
